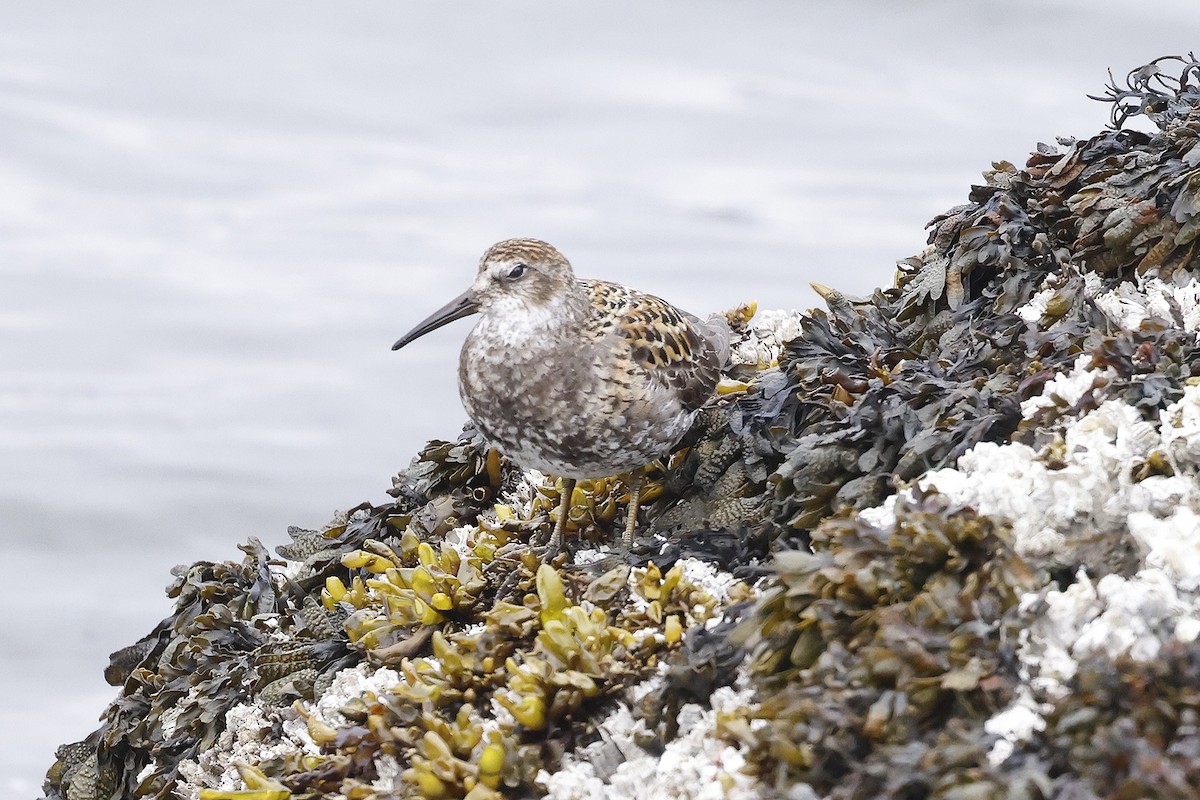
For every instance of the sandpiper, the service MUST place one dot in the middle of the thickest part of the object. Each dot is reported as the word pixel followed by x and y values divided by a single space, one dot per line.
pixel 577 378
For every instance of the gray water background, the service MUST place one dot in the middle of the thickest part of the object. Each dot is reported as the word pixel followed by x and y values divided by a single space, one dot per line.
pixel 216 218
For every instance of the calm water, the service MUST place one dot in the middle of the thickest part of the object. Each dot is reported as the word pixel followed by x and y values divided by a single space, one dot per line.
pixel 215 220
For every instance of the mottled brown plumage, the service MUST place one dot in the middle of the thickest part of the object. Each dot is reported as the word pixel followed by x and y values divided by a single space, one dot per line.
pixel 577 378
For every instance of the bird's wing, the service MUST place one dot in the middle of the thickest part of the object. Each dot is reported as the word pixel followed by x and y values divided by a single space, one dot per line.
pixel 676 350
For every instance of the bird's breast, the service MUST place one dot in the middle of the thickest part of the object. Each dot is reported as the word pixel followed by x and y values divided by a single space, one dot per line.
pixel 565 405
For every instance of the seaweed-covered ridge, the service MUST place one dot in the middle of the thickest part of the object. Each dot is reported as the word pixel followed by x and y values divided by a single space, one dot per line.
pixel 939 541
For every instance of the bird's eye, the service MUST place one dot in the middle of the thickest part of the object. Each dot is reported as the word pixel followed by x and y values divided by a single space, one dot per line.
pixel 516 271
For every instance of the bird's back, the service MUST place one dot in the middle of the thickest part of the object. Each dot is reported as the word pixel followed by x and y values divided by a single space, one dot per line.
pixel 672 348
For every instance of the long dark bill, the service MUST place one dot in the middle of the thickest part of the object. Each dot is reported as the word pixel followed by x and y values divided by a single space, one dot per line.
pixel 462 306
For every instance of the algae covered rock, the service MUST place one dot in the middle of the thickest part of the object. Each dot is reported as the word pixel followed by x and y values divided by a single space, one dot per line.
pixel 942 541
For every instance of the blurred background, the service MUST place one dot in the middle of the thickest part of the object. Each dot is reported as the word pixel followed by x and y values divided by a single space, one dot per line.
pixel 216 218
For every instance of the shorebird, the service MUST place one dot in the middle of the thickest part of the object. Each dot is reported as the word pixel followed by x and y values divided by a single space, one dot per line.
pixel 581 379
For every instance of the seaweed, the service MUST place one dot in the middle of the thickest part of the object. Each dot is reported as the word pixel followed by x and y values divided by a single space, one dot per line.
pixel 1129 728
pixel 886 641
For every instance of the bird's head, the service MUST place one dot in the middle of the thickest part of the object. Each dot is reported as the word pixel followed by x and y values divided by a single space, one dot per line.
pixel 522 273
pixel 516 277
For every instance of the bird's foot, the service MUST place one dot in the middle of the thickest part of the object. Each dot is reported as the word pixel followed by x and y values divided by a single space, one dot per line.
pixel 550 550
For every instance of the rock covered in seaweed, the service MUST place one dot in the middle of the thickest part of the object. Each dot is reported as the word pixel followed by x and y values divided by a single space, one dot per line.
pixel 941 541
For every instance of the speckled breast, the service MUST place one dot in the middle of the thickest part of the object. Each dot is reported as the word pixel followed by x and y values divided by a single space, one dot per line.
pixel 573 410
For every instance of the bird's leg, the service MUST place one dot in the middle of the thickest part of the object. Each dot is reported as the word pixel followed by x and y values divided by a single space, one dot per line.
pixel 564 507
pixel 637 480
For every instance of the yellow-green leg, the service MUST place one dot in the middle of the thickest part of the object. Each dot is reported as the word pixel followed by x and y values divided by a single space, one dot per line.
pixel 564 508
pixel 637 480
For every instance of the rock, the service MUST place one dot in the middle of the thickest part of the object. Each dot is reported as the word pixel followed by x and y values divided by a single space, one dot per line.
pixel 938 541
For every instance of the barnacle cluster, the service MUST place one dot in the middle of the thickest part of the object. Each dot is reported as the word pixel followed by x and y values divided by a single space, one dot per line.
pixel 939 541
